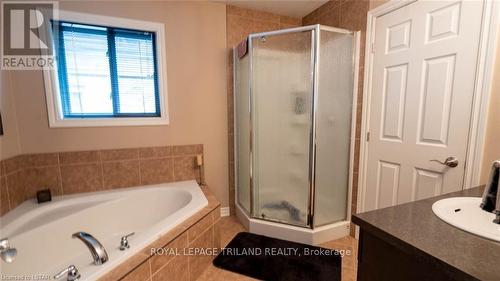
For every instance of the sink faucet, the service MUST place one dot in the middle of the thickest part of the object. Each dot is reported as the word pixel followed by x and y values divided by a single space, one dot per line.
pixel 98 252
pixel 491 195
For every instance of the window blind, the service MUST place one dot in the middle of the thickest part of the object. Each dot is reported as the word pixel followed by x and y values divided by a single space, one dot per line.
pixel 106 71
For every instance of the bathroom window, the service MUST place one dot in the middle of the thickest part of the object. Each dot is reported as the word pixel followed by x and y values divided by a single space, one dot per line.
pixel 106 74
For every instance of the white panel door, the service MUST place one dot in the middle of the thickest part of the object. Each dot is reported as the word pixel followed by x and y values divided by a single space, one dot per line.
pixel 423 75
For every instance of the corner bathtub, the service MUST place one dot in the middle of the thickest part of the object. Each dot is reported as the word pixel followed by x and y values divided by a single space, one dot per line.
pixel 41 233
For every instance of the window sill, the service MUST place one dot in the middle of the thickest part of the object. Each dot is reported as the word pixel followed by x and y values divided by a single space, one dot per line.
pixel 108 122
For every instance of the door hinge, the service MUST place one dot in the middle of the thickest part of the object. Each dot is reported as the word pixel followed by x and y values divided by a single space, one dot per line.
pixel 372 47
pixel 368 136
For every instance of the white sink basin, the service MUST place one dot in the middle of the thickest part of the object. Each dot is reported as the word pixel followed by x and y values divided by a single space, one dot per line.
pixel 465 213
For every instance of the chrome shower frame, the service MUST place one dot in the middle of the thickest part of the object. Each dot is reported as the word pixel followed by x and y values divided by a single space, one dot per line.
pixel 315 57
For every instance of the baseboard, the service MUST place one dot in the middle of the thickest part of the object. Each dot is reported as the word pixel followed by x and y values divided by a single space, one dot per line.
pixel 224 211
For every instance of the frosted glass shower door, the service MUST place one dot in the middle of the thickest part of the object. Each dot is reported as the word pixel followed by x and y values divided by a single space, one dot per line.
pixel 282 91
pixel 333 127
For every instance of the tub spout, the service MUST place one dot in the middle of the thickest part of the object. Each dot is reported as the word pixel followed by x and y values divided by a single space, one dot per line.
pixel 98 252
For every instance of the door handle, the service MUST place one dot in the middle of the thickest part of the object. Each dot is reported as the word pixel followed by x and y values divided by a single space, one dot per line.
pixel 450 162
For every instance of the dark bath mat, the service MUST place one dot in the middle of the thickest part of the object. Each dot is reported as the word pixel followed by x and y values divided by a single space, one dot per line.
pixel 267 258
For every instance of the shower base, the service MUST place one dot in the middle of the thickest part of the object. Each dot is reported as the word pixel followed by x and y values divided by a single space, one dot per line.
pixel 304 235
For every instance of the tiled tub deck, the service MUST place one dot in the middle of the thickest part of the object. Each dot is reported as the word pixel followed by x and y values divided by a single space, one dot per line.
pixel 177 261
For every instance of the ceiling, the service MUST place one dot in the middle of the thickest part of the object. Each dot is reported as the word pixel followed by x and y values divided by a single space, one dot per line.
pixel 292 8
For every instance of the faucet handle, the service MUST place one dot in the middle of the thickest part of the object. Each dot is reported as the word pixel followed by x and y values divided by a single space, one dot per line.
pixel 71 271
pixel 4 244
pixel 124 241
pixel 128 235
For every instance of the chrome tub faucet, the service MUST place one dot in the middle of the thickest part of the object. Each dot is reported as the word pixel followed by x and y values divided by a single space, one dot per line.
pixel 97 250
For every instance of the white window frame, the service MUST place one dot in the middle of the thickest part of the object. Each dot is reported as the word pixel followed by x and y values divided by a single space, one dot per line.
pixel 50 77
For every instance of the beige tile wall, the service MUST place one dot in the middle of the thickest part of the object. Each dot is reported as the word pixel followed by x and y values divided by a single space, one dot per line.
pixel 87 171
pixel 348 14
pixel 239 24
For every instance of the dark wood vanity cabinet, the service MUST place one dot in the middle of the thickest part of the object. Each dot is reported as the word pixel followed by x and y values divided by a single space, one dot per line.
pixel 381 261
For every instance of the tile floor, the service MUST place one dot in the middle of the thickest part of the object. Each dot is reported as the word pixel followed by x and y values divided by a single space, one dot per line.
pixel 229 227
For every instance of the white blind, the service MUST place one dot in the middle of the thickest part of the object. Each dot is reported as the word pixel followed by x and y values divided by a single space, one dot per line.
pixel 105 71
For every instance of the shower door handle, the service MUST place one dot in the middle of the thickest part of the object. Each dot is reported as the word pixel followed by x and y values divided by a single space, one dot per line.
pixel 450 162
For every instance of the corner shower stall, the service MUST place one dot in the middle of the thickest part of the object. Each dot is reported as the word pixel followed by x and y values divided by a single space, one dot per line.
pixel 295 100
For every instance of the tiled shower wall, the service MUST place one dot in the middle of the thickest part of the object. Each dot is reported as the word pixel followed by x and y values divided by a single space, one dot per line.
pixel 86 171
pixel 348 14
pixel 239 24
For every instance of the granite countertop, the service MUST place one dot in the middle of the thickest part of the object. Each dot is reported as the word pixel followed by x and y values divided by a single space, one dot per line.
pixel 413 228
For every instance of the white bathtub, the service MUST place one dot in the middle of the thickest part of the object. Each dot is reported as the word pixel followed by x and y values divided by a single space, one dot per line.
pixel 41 233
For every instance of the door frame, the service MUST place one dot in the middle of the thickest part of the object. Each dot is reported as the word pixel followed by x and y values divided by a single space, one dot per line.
pixel 482 88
